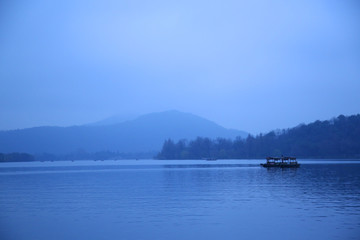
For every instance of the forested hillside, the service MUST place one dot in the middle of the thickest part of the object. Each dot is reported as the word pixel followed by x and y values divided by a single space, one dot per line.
pixel 335 138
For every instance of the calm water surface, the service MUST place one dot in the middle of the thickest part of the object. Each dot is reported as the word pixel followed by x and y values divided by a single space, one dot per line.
pixel 158 200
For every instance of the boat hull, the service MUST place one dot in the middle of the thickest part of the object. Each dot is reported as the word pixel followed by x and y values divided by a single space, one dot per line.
pixel 280 165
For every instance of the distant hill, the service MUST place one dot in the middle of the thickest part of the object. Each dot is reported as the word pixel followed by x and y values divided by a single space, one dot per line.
pixel 336 138
pixel 143 134
pixel 116 119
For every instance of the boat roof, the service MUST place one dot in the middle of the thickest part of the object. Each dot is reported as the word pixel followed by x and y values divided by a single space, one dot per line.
pixel 281 158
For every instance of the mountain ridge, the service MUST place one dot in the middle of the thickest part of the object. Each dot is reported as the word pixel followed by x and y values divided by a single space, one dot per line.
pixel 145 133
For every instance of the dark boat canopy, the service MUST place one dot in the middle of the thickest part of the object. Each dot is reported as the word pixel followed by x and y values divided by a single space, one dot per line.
pixel 281 158
pixel 282 162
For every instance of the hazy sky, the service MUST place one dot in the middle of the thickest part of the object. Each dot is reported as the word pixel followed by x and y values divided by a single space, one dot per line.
pixel 252 65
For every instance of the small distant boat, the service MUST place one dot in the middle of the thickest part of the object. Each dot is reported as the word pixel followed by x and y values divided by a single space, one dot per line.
pixel 210 159
pixel 281 162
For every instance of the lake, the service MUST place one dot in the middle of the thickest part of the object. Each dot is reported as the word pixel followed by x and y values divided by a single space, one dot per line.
pixel 188 199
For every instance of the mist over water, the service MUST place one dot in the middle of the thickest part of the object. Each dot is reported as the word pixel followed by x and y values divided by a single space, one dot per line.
pixel 227 199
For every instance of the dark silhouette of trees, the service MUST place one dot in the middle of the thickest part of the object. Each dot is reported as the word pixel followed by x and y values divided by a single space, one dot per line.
pixel 16 157
pixel 336 138
pixel 103 155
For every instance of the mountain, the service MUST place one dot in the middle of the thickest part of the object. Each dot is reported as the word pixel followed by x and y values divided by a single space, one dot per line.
pixel 113 120
pixel 335 138
pixel 145 133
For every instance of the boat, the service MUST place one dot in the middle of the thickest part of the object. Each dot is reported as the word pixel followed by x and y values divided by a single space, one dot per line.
pixel 210 159
pixel 281 162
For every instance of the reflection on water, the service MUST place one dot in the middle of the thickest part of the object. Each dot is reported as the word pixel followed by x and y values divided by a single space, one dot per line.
pixel 196 200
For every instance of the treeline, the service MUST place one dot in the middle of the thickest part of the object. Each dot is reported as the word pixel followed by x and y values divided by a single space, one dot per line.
pixel 102 155
pixel 78 155
pixel 336 138
pixel 16 157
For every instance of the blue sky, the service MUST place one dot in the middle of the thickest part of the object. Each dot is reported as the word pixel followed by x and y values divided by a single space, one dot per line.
pixel 251 65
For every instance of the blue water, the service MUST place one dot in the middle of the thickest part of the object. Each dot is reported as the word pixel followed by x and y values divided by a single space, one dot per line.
pixel 158 200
